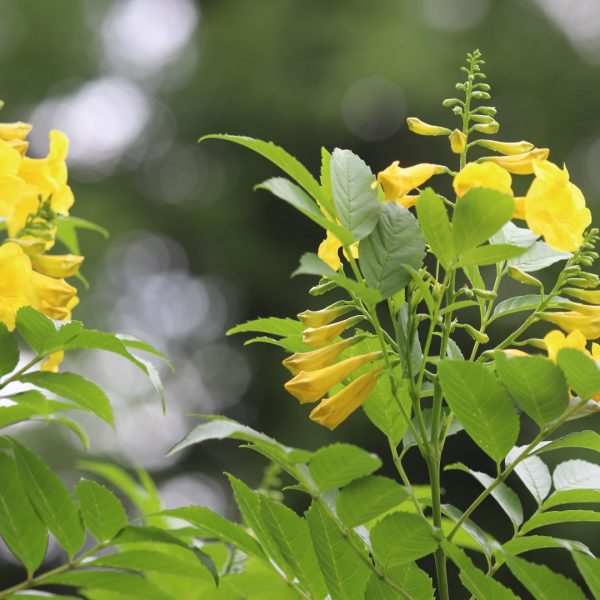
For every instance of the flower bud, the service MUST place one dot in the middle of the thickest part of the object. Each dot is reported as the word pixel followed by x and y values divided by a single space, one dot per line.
pixel 590 296
pixel 506 148
pixel 318 359
pixel 485 294
pixel 320 336
pixel 57 266
pixel 523 277
pixel 477 335
pixel 487 110
pixel 519 164
pixel 322 288
pixel 421 128
pixel 450 102
pixel 490 128
pixel 585 280
pixel 458 141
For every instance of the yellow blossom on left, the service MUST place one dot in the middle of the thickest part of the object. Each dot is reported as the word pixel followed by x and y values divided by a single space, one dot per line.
pixel 397 181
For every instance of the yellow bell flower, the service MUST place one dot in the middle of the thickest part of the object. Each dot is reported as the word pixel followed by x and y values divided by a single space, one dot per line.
pixel 55 296
pixel 310 386
pixel 329 251
pixel 458 141
pixel 569 321
pixel 506 148
pixel 555 208
pixel 16 289
pixel 14 131
pixel 59 266
pixel 421 128
pixel 518 164
pixel 12 187
pixel 556 340
pixel 319 336
pixel 332 411
pixel 317 359
pixel 482 175
pixel 397 181
pixel 53 361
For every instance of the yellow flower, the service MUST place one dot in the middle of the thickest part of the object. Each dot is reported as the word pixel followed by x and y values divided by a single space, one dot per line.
pixel 59 266
pixel 587 324
pixel 12 188
pixel 317 359
pixel 596 351
pixel 332 411
pixel 14 131
pixel 421 128
pixel 317 318
pixel 319 336
pixel 519 164
pixel 482 175
pixel 397 181
pixel 506 148
pixel 556 340
pixel 310 386
pixel 555 208
pixel 16 289
pixel 329 251
pixel 591 296
pixel 52 362
pixel 458 141
pixel 55 296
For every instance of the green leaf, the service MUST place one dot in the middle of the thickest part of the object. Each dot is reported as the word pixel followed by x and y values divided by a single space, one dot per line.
pixel 401 538
pixel 589 568
pixel 536 384
pixel 76 388
pixel 367 498
pixel 538 256
pixel 338 464
pixel 489 255
pixel 410 351
pixel 34 327
pixel 517 236
pixel 75 427
pixel 368 295
pixel 588 440
pixel 528 302
pixel 214 525
pixel 51 499
pixel 326 172
pixel 102 512
pixel 558 517
pixel 481 405
pixel 533 472
pixel 286 162
pixel 20 527
pixel 519 545
pixel 504 496
pixel 271 325
pixel 301 201
pixel 415 582
pixel 478 583
pixel 576 475
pixel 542 582
pixel 582 372
pixel 292 537
pixel 344 572
pixel 471 528
pixel 396 241
pixel 133 342
pixel 571 497
pixel 434 222
pixel 454 428
pixel 356 204
pixel 67 231
pixel 311 264
pixel 9 351
pixel 478 215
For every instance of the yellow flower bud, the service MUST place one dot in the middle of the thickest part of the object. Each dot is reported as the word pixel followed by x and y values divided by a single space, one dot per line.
pixel 14 131
pixel 59 266
pixel 519 164
pixel 556 340
pixel 458 141
pixel 506 148
pixel 569 321
pixel 332 411
pixel 52 362
pixel 523 277
pixel 421 128
pixel 591 296
pixel 317 359
pixel 476 175
pixel 319 336
pixel 491 127
pixel 310 386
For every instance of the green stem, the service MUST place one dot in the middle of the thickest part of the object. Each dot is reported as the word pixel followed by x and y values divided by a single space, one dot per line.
pixel 440 556
pixel 404 477
pixel 15 376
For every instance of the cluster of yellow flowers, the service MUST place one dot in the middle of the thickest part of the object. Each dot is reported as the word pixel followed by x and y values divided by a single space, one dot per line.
pixel 32 192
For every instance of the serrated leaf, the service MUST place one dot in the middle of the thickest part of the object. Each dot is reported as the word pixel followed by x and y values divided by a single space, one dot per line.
pixel 481 405
pixel 76 388
pixel 401 538
pixel 576 475
pixel 414 581
pixel 560 516
pixel 572 497
pixel 528 302
pixel 344 572
pixel 588 440
pixel 478 583
pixel 519 545
pixel 9 351
pixel 470 527
pixel 20 527
pixel 434 222
pixel 34 327
pixel 270 325
pixel 538 256
pixel 533 472
pixel 478 215
pixel 102 512
pixel 355 202
pixel 51 499
pixel 396 241
pixel 542 582
pixel 504 496
pixel 589 568
pixel 367 498
pixel 133 342
pixel 536 384
pixel 338 464
pixel 490 255
pixel 582 372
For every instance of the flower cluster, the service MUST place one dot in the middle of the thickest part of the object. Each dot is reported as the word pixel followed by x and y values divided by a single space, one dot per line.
pixel 33 195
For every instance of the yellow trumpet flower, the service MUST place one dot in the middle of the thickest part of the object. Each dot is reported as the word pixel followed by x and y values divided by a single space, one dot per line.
pixel 58 266
pixel 591 296
pixel 319 336
pixel 569 321
pixel 329 251
pixel 482 175
pixel 317 318
pixel 397 181
pixel 556 340
pixel 317 359
pixel 518 164
pixel 421 128
pixel 16 289
pixel 458 141
pixel 332 411
pixel 506 148
pixel 310 386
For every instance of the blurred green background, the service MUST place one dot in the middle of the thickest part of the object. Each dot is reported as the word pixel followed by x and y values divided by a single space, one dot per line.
pixel 193 250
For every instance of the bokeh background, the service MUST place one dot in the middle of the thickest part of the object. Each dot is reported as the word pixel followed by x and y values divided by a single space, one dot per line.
pixel 193 250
